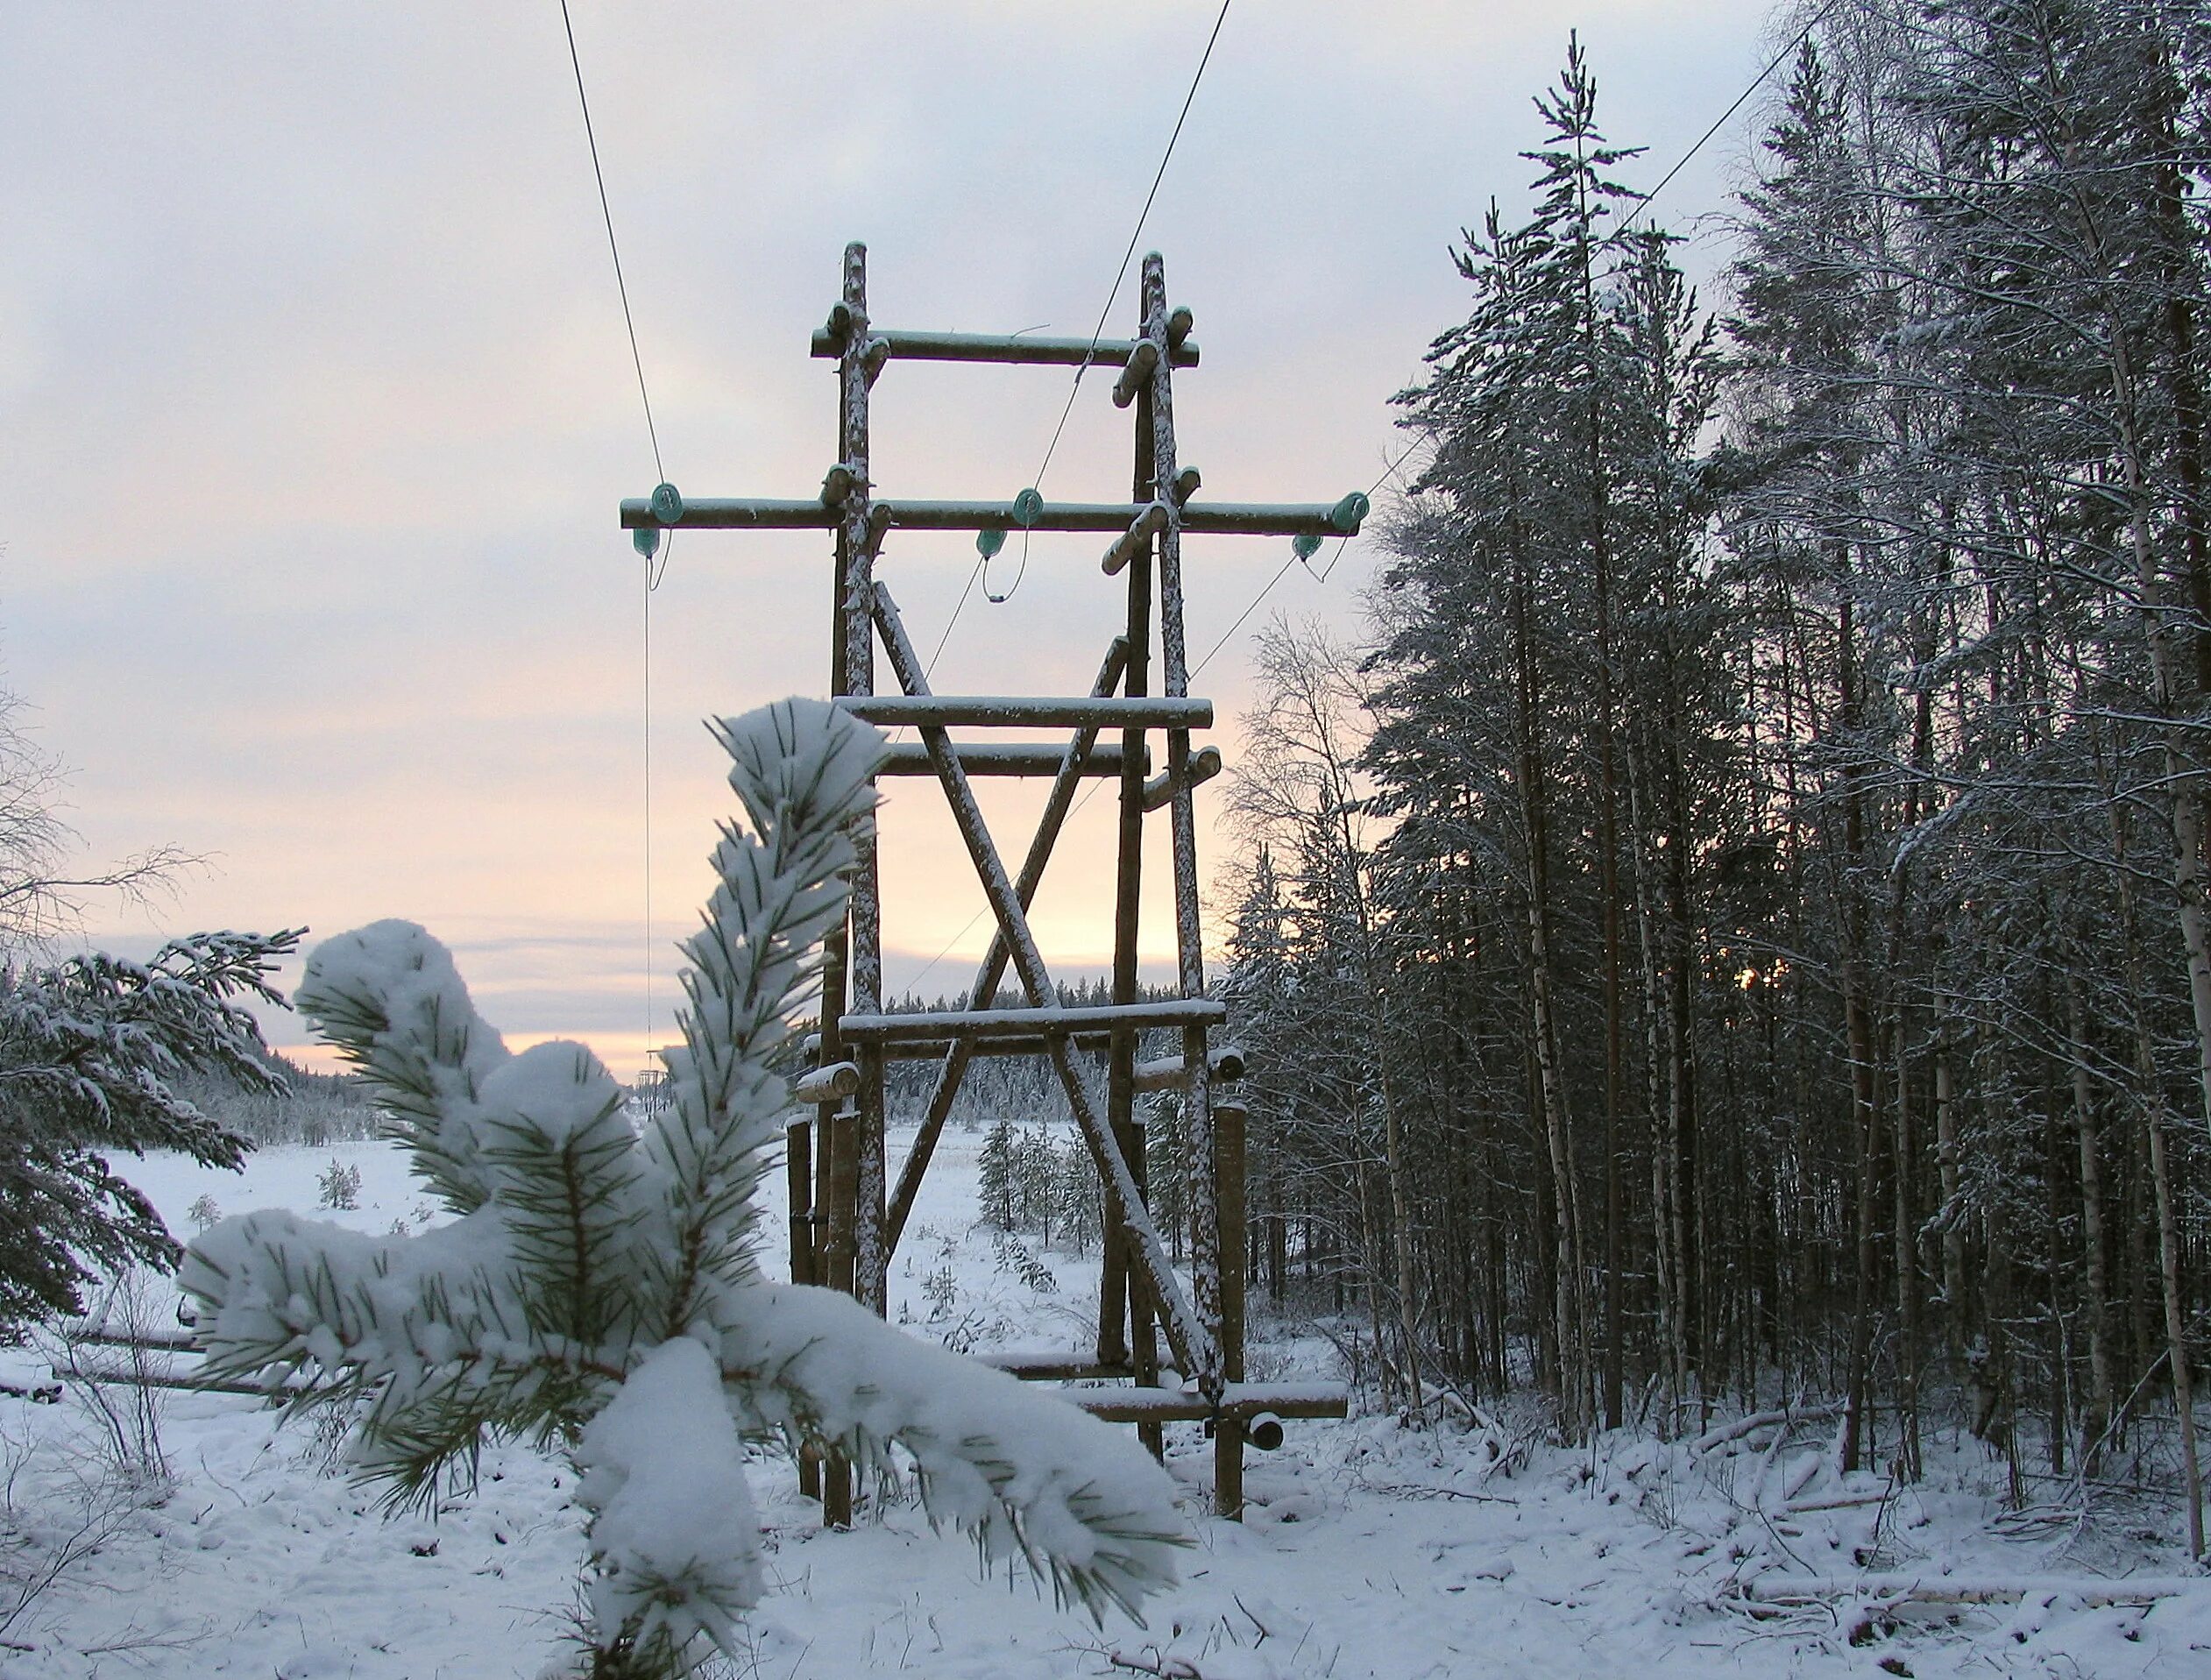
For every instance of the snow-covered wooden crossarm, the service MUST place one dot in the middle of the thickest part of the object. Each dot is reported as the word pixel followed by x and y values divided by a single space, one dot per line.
pixel 1034 1023
pixel 1090 1040
pixel 1199 518
pixel 831 1083
pixel 911 758
pixel 1012 347
pixel 116 1336
pixel 1238 1401
pixel 1053 1364
pixel 1016 711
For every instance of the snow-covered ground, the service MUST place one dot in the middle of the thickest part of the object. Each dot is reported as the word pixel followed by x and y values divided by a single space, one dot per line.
pixel 1369 1551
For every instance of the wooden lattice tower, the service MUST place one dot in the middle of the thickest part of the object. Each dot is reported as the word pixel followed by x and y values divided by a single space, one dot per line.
pixel 846 1217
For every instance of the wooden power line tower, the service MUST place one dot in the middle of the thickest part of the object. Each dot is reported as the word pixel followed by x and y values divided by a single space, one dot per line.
pixel 846 1215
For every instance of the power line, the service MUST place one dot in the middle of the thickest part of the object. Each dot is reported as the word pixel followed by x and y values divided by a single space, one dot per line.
pixel 1122 274
pixel 612 245
pixel 982 565
pixel 1741 99
pixel 652 578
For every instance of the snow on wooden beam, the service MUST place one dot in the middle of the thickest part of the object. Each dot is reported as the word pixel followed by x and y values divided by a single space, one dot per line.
pixel 1055 1022
pixel 831 1084
pixel 912 758
pixel 1238 1401
pixel 1137 374
pixel 1202 765
pixel 1051 1365
pixel 762 513
pixel 969 711
pixel 1142 530
pixel 109 1335
pixel 904 346
pixel 936 1049
pixel 736 514
pixel 1170 1074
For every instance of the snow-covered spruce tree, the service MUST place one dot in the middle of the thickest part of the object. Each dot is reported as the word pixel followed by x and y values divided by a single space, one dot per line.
pixel 90 1050
pixel 599 1289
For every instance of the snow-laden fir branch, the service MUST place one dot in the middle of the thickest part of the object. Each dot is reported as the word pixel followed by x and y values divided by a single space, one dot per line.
pixel 599 1287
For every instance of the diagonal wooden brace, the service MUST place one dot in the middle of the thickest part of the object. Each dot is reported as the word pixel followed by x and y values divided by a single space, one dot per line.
pixel 1195 1347
pixel 993 969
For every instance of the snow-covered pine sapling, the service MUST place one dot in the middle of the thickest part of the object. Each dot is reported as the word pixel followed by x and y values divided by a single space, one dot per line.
pixel 341 1187
pixel 599 1287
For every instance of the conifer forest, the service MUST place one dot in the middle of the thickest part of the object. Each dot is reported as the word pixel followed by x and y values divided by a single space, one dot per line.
pixel 1734 927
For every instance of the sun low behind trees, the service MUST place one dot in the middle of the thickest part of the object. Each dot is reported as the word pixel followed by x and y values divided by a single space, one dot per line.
pixel 1735 928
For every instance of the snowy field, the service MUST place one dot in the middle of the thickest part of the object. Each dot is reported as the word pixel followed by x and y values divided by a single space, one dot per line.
pixel 1369 1551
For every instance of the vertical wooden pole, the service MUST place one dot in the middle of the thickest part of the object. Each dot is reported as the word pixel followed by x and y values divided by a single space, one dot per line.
pixel 799 1172
pixel 1229 1174
pixel 798 1169
pixel 1143 1338
pixel 1205 1253
pixel 851 967
pixel 859 535
pixel 842 1150
pixel 1116 1304
pixel 1144 1328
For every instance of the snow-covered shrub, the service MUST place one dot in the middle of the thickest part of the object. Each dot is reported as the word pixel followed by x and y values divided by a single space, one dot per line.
pixel 127 1415
pixel 340 1186
pixel 92 1054
pixel 598 1286
pixel 1077 1195
pixel 1033 1272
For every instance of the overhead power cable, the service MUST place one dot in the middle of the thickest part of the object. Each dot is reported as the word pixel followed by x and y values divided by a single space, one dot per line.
pixel 981 569
pixel 652 575
pixel 1741 100
pixel 606 211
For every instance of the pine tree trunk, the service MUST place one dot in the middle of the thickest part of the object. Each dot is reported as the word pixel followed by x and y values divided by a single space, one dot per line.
pixel 1947 1159
pixel 2096 1416
pixel 2153 1106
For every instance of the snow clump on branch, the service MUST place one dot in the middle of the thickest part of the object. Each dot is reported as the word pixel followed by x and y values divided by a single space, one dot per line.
pixel 599 1286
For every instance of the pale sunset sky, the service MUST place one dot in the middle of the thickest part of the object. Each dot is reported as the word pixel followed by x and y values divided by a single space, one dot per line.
pixel 315 405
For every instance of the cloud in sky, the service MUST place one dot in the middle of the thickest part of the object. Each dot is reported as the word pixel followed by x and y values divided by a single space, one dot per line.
pixel 315 404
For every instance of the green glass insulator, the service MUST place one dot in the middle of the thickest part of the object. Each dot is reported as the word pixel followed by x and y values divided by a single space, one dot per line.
pixel 1028 509
pixel 988 542
pixel 1347 515
pixel 1305 545
pixel 645 540
pixel 668 504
